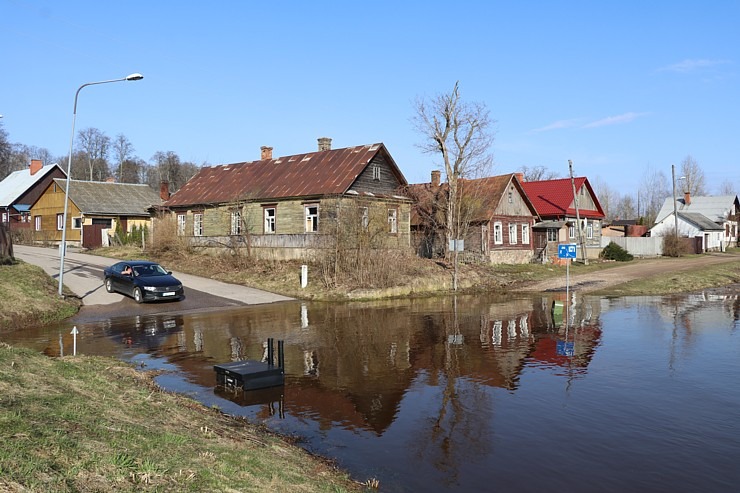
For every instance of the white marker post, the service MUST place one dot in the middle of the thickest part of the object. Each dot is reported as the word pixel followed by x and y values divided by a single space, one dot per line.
pixel 74 340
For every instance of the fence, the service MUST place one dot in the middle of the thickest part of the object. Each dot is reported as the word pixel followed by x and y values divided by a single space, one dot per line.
pixel 637 246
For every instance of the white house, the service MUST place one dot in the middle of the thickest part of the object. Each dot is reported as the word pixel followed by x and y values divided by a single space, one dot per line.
pixel 714 219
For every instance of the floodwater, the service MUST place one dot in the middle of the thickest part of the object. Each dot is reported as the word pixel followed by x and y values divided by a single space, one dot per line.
pixel 470 393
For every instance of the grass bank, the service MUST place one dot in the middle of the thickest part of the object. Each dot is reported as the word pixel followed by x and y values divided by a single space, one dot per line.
pixel 95 424
pixel 29 296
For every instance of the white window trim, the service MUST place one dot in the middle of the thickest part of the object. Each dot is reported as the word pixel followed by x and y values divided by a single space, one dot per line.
pixel 60 222
pixel 77 219
pixel 498 233
pixel 512 234
pixel 393 221
pixel 525 234
pixel 270 226
pixel 197 224
pixel 181 221
pixel 364 218
pixel 236 223
pixel 311 220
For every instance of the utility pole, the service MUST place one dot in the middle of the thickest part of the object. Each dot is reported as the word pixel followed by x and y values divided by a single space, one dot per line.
pixel 578 216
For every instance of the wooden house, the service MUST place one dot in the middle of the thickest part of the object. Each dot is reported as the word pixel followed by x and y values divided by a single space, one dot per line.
pixel 497 214
pixel 20 189
pixel 96 210
pixel 559 209
pixel 290 206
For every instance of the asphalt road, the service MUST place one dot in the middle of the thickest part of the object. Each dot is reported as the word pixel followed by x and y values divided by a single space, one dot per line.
pixel 83 275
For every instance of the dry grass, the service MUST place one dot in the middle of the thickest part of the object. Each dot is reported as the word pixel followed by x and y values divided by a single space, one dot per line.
pixel 95 424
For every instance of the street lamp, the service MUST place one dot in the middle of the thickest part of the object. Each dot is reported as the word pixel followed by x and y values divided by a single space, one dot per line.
pixel 63 245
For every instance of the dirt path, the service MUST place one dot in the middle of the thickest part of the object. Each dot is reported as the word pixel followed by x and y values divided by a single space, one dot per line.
pixel 629 271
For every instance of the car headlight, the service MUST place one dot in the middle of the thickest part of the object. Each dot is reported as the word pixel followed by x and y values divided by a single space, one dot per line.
pixel 149 288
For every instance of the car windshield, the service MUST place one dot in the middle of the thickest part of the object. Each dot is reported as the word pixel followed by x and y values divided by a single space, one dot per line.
pixel 149 270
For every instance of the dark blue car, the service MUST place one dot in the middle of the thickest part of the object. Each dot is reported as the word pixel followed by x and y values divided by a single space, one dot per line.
pixel 142 280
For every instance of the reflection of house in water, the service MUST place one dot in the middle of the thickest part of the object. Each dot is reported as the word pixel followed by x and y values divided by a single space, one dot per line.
pixel 354 363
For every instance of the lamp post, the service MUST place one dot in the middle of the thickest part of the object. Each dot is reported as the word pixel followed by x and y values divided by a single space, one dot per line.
pixel 63 245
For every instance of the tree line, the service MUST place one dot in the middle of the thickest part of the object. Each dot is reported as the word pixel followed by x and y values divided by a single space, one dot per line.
pixel 98 157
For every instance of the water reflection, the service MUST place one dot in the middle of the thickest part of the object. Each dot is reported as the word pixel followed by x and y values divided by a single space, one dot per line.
pixel 448 394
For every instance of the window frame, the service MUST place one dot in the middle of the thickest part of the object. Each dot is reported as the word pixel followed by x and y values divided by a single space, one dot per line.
pixel 269 223
pixel 236 223
pixel 364 218
pixel 376 172
pixel 513 240
pixel 393 220
pixel 37 223
pixel 182 220
pixel 311 219
pixel 498 233
pixel 198 223
pixel 525 234
pixel 552 234
pixel 60 221
pixel 77 220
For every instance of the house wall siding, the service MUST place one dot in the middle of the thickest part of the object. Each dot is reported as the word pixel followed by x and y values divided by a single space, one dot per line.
pixel 387 184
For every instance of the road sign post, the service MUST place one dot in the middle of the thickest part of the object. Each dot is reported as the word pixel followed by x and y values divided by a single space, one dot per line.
pixel 568 252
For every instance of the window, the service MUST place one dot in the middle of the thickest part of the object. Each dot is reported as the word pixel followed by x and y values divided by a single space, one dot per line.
pixel 198 224
pixel 76 223
pixel 312 218
pixel 269 213
pixel 512 234
pixel 26 217
pixel 393 220
pixel 236 222
pixel 511 197
pixel 181 224
pixel 364 217
pixel 5 217
pixel 552 234
pixel 571 231
pixel 525 234
pixel 590 231
pixel 498 233
pixel 37 223
pixel 376 172
pixel 60 222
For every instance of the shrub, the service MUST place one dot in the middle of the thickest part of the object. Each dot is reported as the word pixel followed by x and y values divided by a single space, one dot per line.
pixel 616 252
pixel 673 246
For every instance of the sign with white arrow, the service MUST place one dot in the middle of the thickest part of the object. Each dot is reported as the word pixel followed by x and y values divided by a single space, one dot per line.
pixel 74 340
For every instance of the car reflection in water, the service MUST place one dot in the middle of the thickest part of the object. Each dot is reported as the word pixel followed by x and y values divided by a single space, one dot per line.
pixel 143 281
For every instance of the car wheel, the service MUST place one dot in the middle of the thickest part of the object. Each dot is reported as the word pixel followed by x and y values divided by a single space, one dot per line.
pixel 108 285
pixel 138 296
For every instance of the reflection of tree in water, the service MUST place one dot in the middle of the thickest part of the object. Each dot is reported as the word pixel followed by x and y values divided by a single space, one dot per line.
pixel 459 433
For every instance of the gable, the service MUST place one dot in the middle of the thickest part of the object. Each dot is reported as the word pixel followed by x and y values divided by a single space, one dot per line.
pixel 19 183
pixel 554 198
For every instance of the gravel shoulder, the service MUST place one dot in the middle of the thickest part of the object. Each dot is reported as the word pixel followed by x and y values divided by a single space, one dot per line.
pixel 629 271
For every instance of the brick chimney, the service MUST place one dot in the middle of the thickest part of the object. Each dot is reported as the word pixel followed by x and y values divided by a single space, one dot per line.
pixel 324 144
pixel 265 152
pixel 436 174
pixel 687 197
pixel 164 190
pixel 520 177
pixel 36 165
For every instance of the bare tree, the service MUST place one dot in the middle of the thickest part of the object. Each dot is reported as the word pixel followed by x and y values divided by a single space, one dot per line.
pixel 96 146
pixel 460 134
pixel 653 192
pixel 537 173
pixel 608 198
pixel 123 151
pixel 169 168
pixel 625 208
pixel 5 153
pixel 693 175
pixel 728 188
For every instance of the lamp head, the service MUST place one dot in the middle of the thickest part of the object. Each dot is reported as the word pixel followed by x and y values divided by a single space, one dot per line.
pixel 136 76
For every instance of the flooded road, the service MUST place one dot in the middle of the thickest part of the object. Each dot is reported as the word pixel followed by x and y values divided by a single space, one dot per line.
pixel 469 393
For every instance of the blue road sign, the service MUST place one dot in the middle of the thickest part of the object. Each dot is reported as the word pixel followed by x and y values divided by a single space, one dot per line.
pixel 567 251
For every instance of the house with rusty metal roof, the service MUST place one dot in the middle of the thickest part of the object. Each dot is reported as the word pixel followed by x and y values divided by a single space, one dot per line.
pixel 559 208
pixel 94 212
pixel 496 212
pixel 20 189
pixel 289 206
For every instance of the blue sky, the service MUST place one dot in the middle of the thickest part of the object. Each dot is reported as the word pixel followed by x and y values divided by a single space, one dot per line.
pixel 618 87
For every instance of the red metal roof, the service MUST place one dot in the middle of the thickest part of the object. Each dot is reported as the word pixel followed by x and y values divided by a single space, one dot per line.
pixel 312 174
pixel 553 198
